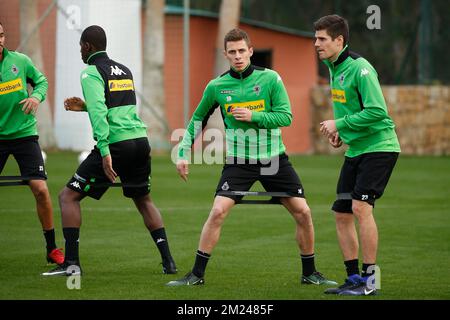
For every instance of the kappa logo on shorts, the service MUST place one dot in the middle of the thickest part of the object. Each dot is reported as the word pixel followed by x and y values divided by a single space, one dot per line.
pixel 76 184
pixel 300 191
pixel 41 168
pixel 225 186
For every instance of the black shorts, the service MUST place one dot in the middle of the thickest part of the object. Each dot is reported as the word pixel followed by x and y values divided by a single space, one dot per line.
pixel 28 155
pixel 363 178
pixel 132 163
pixel 237 176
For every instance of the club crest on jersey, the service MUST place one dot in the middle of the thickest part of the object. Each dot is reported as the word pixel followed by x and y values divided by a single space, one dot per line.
pixel 341 79
pixel 257 89
pixel 14 69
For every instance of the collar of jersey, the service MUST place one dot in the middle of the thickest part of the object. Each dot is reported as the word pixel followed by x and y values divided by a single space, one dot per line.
pixel 5 52
pixel 343 55
pixel 242 75
pixel 95 56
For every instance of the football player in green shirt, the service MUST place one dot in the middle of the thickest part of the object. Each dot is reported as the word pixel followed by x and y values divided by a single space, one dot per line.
pixel 122 150
pixel 254 105
pixel 19 136
pixel 362 122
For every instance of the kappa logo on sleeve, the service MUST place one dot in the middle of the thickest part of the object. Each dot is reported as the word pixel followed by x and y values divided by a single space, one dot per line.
pixel 364 72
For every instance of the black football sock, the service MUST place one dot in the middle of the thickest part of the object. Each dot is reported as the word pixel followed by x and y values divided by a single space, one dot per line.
pixel 308 264
pixel 201 260
pixel 160 238
pixel 351 267
pixel 72 236
pixel 50 239
pixel 366 273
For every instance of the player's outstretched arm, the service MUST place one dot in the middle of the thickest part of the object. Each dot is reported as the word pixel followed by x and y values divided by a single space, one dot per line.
pixel 74 104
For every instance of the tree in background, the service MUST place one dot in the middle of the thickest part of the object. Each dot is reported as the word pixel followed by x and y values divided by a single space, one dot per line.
pixel 153 102
pixel 393 49
pixel 229 15
pixel 32 47
pixel 230 12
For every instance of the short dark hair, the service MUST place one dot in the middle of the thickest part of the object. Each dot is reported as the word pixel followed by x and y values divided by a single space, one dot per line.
pixel 96 36
pixel 236 34
pixel 334 25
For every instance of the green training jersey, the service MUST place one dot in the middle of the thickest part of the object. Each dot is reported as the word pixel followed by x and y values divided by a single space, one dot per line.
pixel 16 70
pixel 262 92
pixel 108 91
pixel 360 111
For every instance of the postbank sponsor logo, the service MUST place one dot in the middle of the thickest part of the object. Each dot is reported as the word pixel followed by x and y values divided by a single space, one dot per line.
pixel 255 106
pixel 338 96
pixel 11 86
pixel 120 85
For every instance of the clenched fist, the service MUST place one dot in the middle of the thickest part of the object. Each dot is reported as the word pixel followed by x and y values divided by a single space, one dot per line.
pixel 74 104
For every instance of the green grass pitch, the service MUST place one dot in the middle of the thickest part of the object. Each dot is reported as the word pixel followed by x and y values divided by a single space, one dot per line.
pixel 256 258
